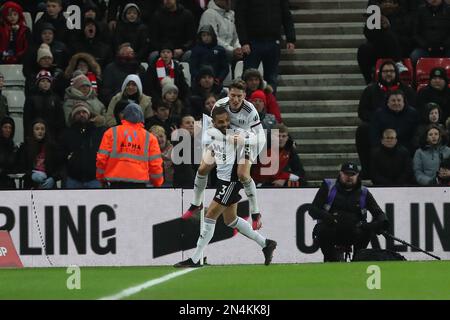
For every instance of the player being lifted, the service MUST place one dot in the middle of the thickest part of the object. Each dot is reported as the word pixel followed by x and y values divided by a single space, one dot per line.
pixel 225 150
pixel 245 116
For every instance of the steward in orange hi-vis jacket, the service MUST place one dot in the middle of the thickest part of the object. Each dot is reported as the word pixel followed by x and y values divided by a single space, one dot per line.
pixel 129 156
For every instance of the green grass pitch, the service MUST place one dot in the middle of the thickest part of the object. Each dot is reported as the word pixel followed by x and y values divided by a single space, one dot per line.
pixel 399 280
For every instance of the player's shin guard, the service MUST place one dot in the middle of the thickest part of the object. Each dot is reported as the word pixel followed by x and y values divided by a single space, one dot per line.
pixel 246 229
pixel 204 239
pixel 250 191
pixel 199 188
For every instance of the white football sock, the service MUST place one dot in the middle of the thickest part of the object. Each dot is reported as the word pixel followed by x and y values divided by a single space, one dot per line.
pixel 204 239
pixel 246 229
pixel 250 191
pixel 199 188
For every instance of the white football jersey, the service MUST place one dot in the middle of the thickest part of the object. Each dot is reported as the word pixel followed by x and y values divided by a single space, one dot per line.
pixel 224 154
pixel 246 118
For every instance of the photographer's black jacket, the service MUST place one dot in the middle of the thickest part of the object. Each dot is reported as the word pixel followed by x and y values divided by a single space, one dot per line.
pixel 345 203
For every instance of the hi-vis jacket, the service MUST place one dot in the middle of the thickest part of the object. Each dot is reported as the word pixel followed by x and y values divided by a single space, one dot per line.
pixel 129 153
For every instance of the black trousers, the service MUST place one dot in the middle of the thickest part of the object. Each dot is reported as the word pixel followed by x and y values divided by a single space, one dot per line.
pixel 330 236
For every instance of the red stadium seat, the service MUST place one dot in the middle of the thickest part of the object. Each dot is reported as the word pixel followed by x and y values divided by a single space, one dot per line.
pixel 405 77
pixel 424 67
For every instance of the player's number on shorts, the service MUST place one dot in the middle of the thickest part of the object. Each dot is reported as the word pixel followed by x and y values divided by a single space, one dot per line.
pixel 221 193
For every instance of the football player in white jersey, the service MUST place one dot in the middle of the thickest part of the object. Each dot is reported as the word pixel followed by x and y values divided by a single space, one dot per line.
pixel 224 149
pixel 245 116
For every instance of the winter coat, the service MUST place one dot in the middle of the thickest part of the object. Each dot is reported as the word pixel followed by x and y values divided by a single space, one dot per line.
pixel 176 27
pixel 289 163
pixel 79 146
pixel 96 108
pixel 47 106
pixel 100 50
pixel 7 156
pixel 114 75
pixel 223 23
pixel 21 36
pixel 143 100
pixel 62 33
pixel 135 33
pixel 426 163
pixel 431 26
pixel 404 122
pixel 391 166
pixel 26 160
pixel 208 54
pixel 263 20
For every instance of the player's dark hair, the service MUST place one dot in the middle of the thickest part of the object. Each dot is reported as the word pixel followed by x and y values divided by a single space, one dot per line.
pixel 217 111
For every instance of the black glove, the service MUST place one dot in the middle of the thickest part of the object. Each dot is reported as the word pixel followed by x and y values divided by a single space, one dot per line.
pixel 377 227
pixel 329 219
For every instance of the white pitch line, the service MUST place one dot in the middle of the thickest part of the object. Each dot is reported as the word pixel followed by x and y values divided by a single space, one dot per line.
pixel 133 290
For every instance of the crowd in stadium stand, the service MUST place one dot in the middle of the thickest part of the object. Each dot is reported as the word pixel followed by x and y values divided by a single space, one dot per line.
pixel 78 82
pixel 403 137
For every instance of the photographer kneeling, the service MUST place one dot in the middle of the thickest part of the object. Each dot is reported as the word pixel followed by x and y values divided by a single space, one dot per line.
pixel 340 208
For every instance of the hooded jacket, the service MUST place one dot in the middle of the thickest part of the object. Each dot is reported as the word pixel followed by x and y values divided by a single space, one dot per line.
pixel 96 107
pixel 136 33
pixel 223 23
pixel 7 155
pixel 144 101
pixel 208 54
pixel 374 95
pixel 21 36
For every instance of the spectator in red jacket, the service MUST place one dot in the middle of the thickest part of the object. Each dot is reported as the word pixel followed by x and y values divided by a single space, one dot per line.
pixel 289 172
pixel 14 34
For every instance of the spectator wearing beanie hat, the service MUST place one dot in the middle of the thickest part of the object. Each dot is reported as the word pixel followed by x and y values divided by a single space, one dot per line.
pixel 129 156
pixel 258 98
pixel 58 49
pixel 170 96
pixel 436 91
pixel 14 34
pixel 81 90
pixel 44 103
pixel 131 91
pixel 44 61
